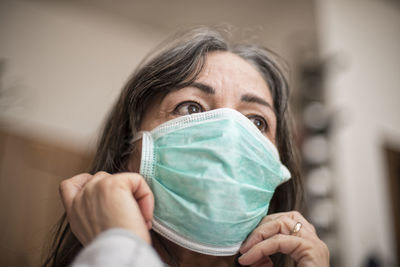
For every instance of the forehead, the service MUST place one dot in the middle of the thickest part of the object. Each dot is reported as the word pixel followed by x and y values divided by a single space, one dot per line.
pixel 232 74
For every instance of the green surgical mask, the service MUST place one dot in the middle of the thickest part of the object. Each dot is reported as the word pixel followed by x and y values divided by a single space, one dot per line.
pixel 213 175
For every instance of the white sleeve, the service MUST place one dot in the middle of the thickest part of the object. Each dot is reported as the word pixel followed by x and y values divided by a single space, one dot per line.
pixel 117 247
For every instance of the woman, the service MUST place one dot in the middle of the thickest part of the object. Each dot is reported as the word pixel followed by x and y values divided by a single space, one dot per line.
pixel 202 116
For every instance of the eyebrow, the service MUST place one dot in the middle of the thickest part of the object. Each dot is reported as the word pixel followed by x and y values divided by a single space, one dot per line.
pixel 250 98
pixel 203 87
pixel 255 99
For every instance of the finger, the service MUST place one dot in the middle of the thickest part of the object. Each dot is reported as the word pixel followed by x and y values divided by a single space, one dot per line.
pixel 294 246
pixel 98 176
pixel 265 262
pixel 142 193
pixel 295 215
pixel 69 188
pixel 281 225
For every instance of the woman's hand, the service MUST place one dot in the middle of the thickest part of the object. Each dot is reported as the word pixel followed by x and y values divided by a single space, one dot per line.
pixel 275 234
pixel 95 203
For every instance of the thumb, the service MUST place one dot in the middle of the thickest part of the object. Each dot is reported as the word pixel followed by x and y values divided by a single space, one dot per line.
pixel 69 188
pixel 142 194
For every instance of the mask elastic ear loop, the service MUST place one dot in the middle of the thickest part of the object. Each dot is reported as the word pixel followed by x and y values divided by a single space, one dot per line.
pixel 138 136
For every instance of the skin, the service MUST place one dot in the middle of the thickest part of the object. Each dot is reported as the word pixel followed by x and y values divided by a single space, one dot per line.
pixel 103 201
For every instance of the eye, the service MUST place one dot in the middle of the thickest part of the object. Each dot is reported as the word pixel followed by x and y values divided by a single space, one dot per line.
pixel 259 122
pixel 187 108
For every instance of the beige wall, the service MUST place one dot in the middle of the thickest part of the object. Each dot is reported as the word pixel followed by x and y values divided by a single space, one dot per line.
pixel 65 66
pixel 364 88
pixel 30 171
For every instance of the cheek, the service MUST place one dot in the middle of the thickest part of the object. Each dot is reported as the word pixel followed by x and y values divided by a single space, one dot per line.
pixel 272 132
pixel 148 120
pixel 152 117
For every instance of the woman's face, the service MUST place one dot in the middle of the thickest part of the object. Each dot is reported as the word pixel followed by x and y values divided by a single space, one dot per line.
pixel 226 81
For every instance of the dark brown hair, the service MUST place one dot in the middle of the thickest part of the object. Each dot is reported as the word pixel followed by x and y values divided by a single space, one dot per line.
pixel 177 65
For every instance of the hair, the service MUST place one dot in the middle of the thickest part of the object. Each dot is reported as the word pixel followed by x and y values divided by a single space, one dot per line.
pixel 176 65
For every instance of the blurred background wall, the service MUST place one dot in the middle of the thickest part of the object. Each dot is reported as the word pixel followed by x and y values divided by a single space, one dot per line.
pixel 63 64
pixel 363 85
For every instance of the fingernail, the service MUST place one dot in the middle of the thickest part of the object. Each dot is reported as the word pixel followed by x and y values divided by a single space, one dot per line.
pixel 243 247
pixel 240 259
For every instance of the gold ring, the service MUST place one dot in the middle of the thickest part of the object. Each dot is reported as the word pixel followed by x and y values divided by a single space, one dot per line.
pixel 296 228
